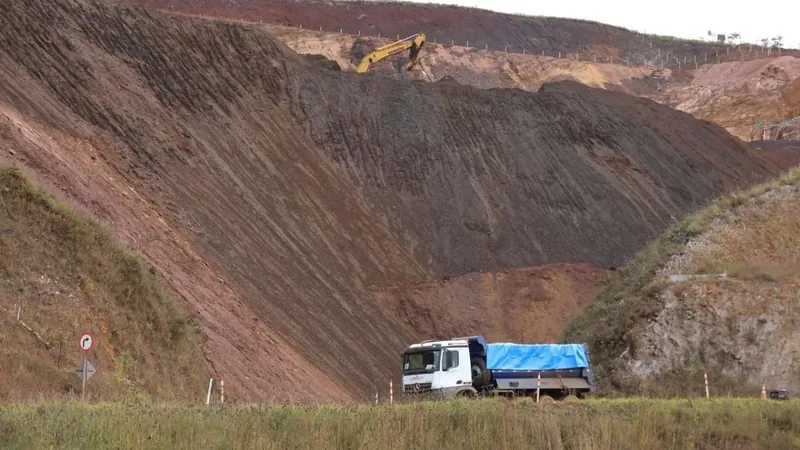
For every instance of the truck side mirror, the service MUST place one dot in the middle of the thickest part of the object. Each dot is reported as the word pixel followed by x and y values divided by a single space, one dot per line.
pixel 445 361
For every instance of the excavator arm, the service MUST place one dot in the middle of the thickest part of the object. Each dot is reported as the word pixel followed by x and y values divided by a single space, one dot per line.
pixel 413 43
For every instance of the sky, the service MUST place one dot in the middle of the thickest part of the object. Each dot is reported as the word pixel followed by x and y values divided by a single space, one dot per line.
pixel 683 18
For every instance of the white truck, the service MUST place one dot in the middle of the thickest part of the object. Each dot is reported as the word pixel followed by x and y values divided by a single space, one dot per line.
pixel 470 366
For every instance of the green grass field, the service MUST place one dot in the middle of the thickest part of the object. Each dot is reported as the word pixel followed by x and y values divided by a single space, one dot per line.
pixel 477 424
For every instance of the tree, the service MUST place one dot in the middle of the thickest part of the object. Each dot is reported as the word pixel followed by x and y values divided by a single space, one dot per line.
pixel 777 41
pixel 765 42
pixel 733 37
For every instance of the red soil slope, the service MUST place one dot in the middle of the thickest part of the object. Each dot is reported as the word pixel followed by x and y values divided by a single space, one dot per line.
pixel 519 305
pixel 147 122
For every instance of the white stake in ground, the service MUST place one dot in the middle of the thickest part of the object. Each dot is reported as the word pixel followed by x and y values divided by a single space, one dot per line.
pixel 391 392
pixel 208 396
pixel 538 385
pixel 221 390
pixel 705 380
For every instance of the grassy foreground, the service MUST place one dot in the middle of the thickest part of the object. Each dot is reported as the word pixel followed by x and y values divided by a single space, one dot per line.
pixel 592 424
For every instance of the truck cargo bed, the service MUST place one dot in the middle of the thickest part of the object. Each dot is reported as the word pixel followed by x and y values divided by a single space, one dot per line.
pixel 562 373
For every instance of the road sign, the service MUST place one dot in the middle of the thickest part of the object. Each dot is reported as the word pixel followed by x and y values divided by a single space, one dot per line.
pixel 86 342
pixel 86 365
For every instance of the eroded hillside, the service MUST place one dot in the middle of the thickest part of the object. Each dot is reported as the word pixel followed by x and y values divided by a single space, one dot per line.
pixel 272 191
pixel 62 275
pixel 719 292
pixel 486 179
pixel 173 133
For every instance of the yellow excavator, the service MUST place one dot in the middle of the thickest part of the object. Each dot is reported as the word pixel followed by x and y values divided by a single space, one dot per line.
pixel 414 43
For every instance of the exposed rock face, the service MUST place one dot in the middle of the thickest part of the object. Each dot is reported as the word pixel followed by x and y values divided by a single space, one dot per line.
pixel 744 325
pixel 740 329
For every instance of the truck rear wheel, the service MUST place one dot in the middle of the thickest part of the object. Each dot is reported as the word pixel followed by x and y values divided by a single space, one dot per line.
pixel 480 376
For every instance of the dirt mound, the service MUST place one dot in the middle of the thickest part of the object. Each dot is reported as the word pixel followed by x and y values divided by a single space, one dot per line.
pixel 272 191
pixel 490 179
pixel 520 305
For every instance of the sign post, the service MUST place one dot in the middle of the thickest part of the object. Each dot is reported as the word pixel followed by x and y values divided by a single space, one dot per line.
pixel 85 369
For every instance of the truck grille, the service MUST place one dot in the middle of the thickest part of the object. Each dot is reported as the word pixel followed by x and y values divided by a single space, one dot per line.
pixel 417 388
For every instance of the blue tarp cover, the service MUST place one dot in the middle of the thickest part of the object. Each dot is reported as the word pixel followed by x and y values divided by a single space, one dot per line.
pixel 536 356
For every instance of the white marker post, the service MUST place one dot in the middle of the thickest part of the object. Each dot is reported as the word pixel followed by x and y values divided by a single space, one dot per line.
pixel 208 396
pixel 705 380
pixel 391 392
pixel 538 385
pixel 221 390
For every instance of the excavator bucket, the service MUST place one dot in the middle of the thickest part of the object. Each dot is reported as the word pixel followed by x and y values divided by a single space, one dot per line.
pixel 413 56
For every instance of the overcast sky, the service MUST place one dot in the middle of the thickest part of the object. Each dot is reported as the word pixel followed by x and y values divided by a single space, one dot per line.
pixel 682 18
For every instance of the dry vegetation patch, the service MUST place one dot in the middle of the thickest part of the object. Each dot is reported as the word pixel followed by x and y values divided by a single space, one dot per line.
pixel 624 424
pixel 70 275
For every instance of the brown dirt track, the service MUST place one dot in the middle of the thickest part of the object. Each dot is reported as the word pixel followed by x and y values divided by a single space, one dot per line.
pixel 272 192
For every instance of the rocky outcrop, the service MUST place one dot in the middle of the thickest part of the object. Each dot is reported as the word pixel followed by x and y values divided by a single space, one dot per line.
pixel 717 294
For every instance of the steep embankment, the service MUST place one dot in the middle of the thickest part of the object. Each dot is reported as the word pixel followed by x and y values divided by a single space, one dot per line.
pixel 61 275
pixel 173 132
pixel 238 168
pixel 487 179
pixel 518 305
pixel 717 292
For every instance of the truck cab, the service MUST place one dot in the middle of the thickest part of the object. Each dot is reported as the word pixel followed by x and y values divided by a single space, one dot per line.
pixel 444 368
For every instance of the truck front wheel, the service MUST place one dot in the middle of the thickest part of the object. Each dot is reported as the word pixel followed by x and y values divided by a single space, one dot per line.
pixel 466 393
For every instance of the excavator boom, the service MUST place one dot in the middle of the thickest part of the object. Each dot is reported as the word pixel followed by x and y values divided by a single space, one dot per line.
pixel 413 43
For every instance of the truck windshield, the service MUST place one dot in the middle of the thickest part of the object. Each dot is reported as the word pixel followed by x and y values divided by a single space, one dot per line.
pixel 421 362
